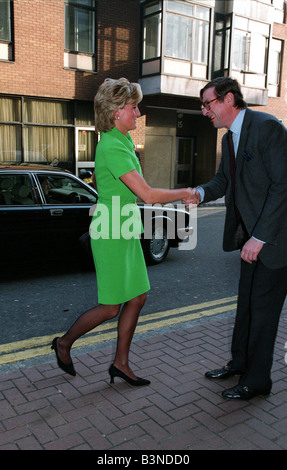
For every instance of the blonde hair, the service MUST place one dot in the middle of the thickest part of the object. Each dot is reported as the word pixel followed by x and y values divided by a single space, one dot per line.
pixel 111 96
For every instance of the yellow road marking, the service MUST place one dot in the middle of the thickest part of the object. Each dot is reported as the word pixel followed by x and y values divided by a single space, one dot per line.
pixel 41 346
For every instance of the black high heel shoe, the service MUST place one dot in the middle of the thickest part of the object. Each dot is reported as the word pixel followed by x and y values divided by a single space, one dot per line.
pixel 68 368
pixel 115 372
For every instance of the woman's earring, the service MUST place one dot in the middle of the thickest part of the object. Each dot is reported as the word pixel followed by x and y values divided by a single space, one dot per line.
pixel 118 117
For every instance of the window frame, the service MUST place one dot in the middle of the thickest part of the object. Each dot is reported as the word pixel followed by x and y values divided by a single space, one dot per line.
pixel 275 85
pixel 158 12
pixel 251 36
pixel 8 26
pixel 69 194
pixel 9 41
pixel 9 197
pixel 16 124
pixel 77 50
pixel 196 21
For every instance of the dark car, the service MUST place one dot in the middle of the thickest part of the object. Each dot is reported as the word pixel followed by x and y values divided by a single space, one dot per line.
pixel 44 211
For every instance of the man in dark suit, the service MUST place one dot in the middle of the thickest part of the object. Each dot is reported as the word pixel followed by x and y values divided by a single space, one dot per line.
pixel 256 223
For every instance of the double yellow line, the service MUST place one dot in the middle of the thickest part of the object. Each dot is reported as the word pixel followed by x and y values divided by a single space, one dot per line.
pixel 41 346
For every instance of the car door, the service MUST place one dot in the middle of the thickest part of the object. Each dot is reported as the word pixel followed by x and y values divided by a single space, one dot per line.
pixel 21 217
pixel 66 205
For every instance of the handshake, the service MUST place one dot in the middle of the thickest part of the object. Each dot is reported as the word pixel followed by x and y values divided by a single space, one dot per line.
pixel 192 198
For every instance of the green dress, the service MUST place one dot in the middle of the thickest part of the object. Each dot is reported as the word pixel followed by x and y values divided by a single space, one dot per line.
pixel 116 224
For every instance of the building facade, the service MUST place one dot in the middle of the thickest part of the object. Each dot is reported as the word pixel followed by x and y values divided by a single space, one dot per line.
pixel 184 44
pixel 54 55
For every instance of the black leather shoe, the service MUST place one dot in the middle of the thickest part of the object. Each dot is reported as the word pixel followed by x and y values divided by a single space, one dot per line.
pixel 223 373
pixel 243 393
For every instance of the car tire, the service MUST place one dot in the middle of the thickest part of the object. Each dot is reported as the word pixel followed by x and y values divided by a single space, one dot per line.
pixel 156 249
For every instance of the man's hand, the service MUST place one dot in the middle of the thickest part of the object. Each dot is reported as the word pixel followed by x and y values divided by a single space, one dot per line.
pixel 193 198
pixel 250 250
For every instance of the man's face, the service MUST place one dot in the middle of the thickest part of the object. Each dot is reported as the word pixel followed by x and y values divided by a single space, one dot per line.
pixel 217 111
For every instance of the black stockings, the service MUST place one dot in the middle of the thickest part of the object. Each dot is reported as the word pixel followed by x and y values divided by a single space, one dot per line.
pixel 97 315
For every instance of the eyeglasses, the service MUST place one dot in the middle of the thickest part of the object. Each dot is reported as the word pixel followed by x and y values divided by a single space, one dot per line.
pixel 207 104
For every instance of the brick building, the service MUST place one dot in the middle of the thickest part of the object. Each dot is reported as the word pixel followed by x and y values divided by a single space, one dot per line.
pixel 54 54
pixel 53 57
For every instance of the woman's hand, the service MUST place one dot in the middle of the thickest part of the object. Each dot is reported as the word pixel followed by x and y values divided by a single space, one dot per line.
pixel 138 185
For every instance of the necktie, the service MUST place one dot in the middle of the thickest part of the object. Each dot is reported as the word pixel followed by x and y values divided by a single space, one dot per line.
pixel 232 164
pixel 232 168
pixel 241 235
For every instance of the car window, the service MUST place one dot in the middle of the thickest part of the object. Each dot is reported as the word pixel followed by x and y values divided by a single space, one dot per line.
pixel 16 190
pixel 59 189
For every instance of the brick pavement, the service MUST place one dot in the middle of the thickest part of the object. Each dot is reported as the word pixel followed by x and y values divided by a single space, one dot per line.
pixel 42 408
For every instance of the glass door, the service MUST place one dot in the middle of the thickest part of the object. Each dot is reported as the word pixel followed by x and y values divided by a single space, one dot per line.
pixel 85 140
pixel 185 150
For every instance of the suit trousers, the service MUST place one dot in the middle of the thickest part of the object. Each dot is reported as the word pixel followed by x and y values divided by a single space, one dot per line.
pixel 261 295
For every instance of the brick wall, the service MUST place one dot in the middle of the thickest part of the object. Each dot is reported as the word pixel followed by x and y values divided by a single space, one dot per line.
pixel 38 69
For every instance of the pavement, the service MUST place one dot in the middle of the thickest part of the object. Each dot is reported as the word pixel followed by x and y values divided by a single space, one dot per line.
pixel 42 408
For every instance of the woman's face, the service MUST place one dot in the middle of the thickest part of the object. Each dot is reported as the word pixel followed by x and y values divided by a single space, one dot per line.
pixel 126 118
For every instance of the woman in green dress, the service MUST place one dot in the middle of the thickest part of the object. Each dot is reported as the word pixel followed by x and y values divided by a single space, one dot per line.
pixel 122 278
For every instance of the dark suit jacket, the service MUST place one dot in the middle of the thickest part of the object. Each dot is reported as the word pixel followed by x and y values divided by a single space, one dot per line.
pixel 261 186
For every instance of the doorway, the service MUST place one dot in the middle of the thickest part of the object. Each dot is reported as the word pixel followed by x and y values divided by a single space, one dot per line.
pixel 85 147
pixel 185 151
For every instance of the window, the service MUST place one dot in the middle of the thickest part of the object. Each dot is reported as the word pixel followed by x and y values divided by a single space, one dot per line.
pixel 5 20
pixel 80 34
pixel 152 30
pixel 35 130
pixel 250 46
pixel 6 30
pixel 274 70
pixel 221 45
pixel 58 189
pixel 178 40
pixel 16 190
pixel 279 11
pixel 80 26
pixel 46 134
pixel 47 144
pixel 175 38
pixel 10 129
pixel 187 31
pixel 249 53
pixel 48 112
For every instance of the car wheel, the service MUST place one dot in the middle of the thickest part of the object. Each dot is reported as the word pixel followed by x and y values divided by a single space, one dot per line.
pixel 156 248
